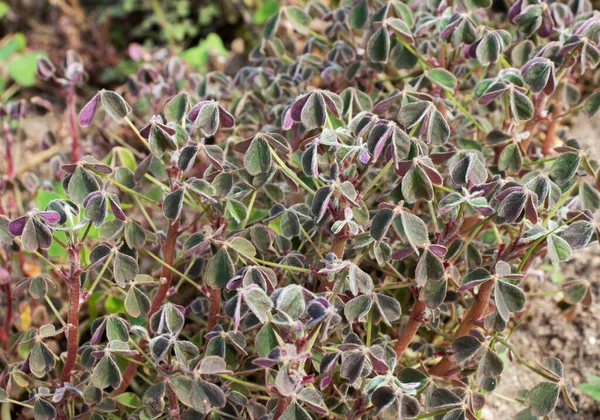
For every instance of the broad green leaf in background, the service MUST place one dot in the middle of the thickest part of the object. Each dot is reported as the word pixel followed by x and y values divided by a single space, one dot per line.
pixel 198 56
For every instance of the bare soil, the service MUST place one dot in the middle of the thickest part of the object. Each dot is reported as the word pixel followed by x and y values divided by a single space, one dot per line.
pixel 575 342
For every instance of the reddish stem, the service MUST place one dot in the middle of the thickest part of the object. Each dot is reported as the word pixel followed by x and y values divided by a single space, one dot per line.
pixel 214 308
pixel 282 405
pixel 72 124
pixel 173 404
pixel 161 293
pixel 73 320
pixel 411 328
pixel 477 311
pixel 166 274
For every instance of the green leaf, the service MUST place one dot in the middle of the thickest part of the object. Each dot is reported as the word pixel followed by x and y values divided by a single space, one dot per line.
pixel 510 159
pixel 265 340
pixel 237 210
pixel 565 167
pixel 491 364
pixel 388 307
pixel 314 111
pixel 129 400
pixel 81 184
pixel 429 267
pixel 592 104
pixel 259 303
pixel 509 299
pixel 578 234
pixel 257 159
pixel 114 105
pixel 43 410
pixel 416 184
pixel 106 373
pixel 414 230
pixel 125 269
pixel 299 19
pixel 378 47
pixel 357 309
pixel 465 347
pixel 219 270
pixel 558 249
pixel 542 398
pixel 173 203
pixel 434 292
pixel 198 56
pixel 291 301
pixel 243 246
pixel 359 15
pixel 41 359
pixel 289 224
pixel 38 288
pixel 401 28
pixel 155 396
pixel 381 223
pixel 176 108
pixel 265 10
pixel 22 69
pixel 592 387
pixel 136 302
pixel 135 236
pixel 116 329
pixel 5 236
pixel 520 106
pixel 590 197
pixel 488 50
pixel 443 78
pixel 174 319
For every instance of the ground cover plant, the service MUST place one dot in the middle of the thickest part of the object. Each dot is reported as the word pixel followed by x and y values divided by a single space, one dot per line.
pixel 346 228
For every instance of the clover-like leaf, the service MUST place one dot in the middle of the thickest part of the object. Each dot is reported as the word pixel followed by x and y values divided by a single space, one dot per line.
pixel 542 398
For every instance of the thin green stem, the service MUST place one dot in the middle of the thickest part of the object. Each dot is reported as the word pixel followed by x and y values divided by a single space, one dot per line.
pixel 124 188
pixel 142 352
pixel 375 180
pixel 442 188
pixel 19 403
pixel 55 311
pixel 282 266
pixel 523 361
pixel 310 241
pixel 171 268
pixel 395 286
pixel 464 111
pixel 145 213
pixel 507 399
pixel 290 173
pixel 102 270
pixel 250 206
pixel 569 112
pixel 558 205
pixel 540 161
pixel 244 383
pixel 137 133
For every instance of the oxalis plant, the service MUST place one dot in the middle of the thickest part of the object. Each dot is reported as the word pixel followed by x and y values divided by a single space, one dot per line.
pixel 343 229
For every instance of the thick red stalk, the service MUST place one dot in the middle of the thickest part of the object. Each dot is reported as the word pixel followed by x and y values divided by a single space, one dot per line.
pixel 157 301
pixel 476 312
pixel 411 328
